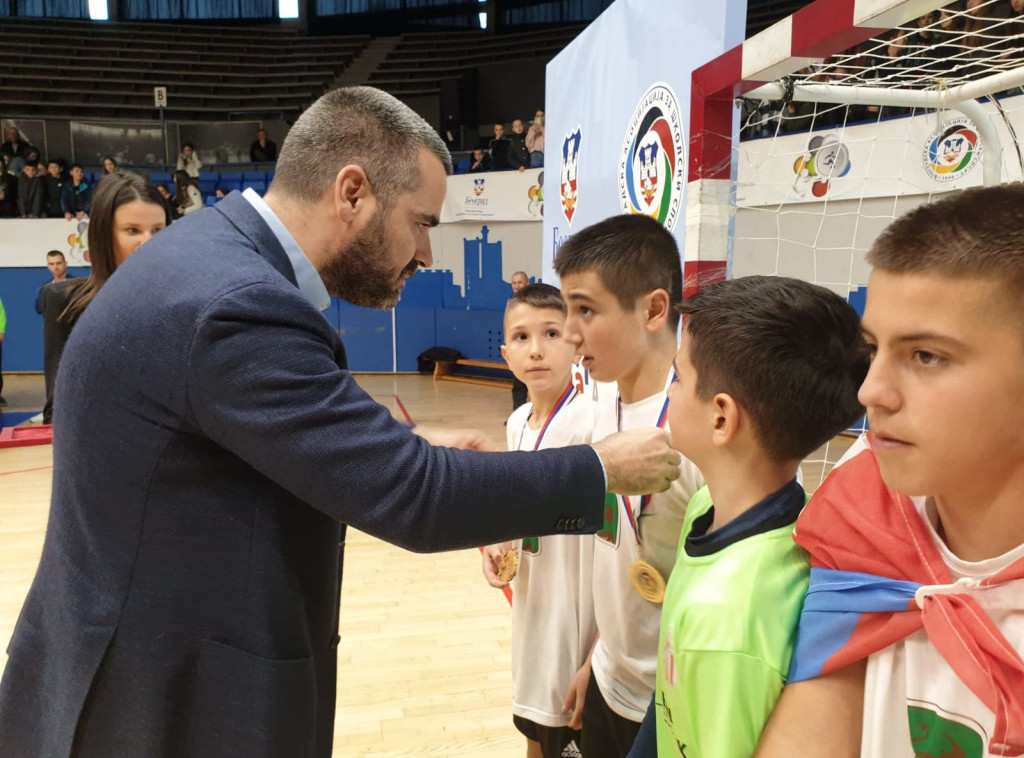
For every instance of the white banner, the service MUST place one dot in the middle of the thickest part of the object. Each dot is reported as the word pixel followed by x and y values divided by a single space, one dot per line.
pixel 495 196
pixel 618 113
pixel 913 155
pixel 24 243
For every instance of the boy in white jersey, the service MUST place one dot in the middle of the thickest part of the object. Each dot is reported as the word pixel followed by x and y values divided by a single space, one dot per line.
pixel 932 502
pixel 622 279
pixel 553 623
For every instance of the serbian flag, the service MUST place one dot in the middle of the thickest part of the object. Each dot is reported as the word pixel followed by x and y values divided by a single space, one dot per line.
pixel 877 577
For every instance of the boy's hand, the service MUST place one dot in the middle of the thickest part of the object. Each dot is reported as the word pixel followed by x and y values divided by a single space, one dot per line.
pixel 467 439
pixel 493 558
pixel 639 462
pixel 577 695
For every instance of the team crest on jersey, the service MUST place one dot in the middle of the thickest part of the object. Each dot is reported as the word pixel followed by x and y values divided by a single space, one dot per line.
pixel 609 531
pixel 935 736
pixel 953 150
pixel 567 179
pixel 653 161
pixel 668 660
pixel 478 187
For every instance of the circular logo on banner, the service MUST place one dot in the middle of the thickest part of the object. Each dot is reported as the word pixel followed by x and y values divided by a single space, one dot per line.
pixel 952 150
pixel 653 161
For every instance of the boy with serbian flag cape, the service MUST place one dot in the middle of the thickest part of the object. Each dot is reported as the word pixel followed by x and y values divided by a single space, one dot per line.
pixel 877 577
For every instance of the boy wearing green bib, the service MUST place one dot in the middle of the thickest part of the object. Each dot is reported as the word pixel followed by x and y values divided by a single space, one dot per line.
pixel 768 371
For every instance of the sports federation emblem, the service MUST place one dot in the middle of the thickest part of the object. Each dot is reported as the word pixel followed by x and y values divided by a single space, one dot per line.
pixel 952 150
pixel 653 160
pixel 825 159
pixel 478 187
pixel 567 178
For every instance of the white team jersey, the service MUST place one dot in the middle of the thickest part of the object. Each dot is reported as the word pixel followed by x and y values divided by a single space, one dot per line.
pixel 553 624
pixel 914 704
pixel 625 659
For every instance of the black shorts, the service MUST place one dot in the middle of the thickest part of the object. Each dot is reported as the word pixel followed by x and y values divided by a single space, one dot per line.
pixel 606 734
pixel 555 741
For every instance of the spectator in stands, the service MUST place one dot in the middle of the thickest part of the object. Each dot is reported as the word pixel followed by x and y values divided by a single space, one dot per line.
pixel 165 193
pixel 16 149
pixel 127 211
pixel 518 154
pixel 188 198
pixel 499 149
pixel 262 150
pixel 481 162
pixel 31 193
pixel 220 193
pixel 535 140
pixel 8 189
pixel 58 266
pixel 76 200
pixel 188 161
pixel 109 165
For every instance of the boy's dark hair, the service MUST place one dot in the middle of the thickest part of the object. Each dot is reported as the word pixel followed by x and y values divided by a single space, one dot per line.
pixel 538 296
pixel 633 255
pixel 54 254
pixel 976 232
pixel 788 351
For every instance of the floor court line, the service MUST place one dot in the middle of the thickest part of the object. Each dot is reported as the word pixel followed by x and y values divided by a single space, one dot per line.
pixel 24 471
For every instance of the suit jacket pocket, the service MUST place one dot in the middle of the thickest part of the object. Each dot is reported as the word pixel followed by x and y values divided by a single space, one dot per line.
pixel 251 707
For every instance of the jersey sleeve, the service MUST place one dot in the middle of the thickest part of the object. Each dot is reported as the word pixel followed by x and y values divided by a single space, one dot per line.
pixel 720 708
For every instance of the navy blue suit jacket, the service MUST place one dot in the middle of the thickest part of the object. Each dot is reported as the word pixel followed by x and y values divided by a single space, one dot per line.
pixel 186 602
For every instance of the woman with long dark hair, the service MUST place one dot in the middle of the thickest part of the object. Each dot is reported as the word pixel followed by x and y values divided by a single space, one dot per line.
pixel 126 211
pixel 187 197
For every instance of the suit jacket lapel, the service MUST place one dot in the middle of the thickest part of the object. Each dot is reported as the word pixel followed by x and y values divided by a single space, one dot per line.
pixel 251 225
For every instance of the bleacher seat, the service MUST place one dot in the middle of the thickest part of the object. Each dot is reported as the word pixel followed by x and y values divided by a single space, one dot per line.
pixel 210 201
pixel 462 167
pixel 160 177
pixel 260 185
pixel 230 180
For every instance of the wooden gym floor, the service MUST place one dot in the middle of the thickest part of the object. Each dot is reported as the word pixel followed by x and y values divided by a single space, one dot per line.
pixel 423 663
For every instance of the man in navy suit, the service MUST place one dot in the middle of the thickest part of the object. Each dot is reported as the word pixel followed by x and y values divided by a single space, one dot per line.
pixel 186 602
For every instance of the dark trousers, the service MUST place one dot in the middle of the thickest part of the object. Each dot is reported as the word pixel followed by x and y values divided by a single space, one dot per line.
pixel 606 734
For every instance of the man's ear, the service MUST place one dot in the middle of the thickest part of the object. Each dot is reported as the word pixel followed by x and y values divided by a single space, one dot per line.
pixel 656 306
pixel 352 191
pixel 727 419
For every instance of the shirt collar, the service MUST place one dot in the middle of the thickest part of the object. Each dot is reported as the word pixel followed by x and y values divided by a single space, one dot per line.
pixel 310 284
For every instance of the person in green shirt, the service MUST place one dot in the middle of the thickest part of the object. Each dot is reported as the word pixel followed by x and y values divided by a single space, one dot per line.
pixel 768 370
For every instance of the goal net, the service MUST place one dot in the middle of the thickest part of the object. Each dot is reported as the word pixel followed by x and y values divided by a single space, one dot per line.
pixel 848 114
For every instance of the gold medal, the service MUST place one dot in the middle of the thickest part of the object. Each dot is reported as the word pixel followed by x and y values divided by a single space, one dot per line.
pixel 648 581
pixel 509 565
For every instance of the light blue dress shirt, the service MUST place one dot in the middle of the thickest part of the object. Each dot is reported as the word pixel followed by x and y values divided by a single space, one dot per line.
pixel 310 284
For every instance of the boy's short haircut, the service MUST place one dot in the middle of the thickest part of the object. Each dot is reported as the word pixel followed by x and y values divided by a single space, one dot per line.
pixel 977 232
pixel 539 296
pixel 789 352
pixel 54 254
pixel 632 254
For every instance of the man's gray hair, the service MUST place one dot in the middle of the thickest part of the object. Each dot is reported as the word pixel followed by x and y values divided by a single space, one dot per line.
pixel 362 126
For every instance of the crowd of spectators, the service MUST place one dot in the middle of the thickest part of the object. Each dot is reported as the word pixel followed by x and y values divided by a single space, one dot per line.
pixel 966 39
pixel 518 151
pixel 33 188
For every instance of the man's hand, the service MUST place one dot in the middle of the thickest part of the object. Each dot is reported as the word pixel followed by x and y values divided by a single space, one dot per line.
pixel 639 462
pixel 467 439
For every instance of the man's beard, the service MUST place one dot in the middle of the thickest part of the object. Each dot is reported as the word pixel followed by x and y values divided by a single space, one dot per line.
pixel 361 273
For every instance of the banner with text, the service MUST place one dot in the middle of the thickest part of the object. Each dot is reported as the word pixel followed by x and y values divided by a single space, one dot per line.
pixel 618 113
